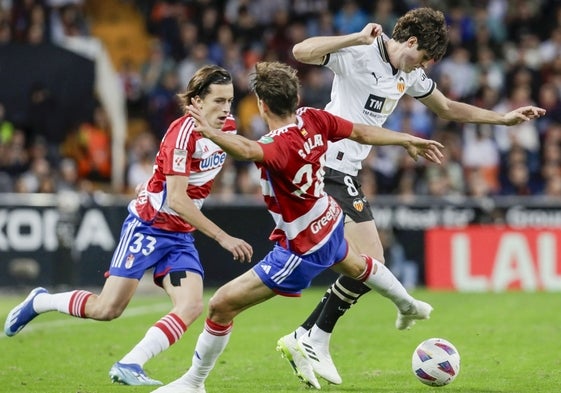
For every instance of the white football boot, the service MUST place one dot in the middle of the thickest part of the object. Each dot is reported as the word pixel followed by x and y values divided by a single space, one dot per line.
pixel 418 310
pixel 289 349
pixel 318 355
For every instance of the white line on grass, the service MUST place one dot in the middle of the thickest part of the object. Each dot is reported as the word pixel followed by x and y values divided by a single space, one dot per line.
pixel 128 313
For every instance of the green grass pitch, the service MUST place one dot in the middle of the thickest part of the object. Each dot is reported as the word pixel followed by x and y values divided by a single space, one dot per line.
pixel 509 342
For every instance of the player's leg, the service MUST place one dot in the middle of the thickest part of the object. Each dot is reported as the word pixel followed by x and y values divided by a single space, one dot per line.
pixel 109 304
pixel 186 292
pixel 228 301
pixel 375 275
pixel 179 271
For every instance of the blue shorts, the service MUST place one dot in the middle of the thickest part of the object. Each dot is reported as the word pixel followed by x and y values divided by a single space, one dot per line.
pixel 142 247
pixel 287 273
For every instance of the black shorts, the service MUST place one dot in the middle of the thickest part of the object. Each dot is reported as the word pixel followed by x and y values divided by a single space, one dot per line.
pixel 346 190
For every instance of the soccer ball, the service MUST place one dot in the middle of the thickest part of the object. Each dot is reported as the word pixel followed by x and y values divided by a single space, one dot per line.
pixel 436 362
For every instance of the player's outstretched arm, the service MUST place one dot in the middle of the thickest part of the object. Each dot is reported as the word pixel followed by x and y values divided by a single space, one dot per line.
pixel 237 146
pixel 448 109
pixel 312 50
pixel 374 135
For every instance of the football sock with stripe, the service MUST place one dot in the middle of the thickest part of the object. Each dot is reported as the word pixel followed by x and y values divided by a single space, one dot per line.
pixel 378 277
pixel 344 293
pixel 210 345
pixel 71 303
pixel 163 334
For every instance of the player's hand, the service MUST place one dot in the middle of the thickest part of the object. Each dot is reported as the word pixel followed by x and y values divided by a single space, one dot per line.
pixel 241 251
pixel 429 149
pixel 369 33
pixel 201 124
pixel 522 114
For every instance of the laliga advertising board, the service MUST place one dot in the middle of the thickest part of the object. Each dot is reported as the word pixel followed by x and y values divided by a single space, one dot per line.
pixel 480 258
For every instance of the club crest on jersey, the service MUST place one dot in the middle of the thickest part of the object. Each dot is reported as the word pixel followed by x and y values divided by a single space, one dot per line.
pixel 129 261
pixel 358 204
pixel 401 85
pixel 179 160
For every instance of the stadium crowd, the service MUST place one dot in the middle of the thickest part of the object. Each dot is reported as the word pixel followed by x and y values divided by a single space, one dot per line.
pixel 502 54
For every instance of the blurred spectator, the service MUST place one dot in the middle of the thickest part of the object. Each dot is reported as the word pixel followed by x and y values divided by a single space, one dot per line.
pixel 350 18
pixel 15 158
pixel 190 64
pixel 383 14
pixel 6 126
pixel 462 73
pixel 156 65
pixel 524 134
pixel 142 154
pixel 37 179
pixel 318 87
pixel 481 155
pixel 68 179
pixel 132 86
pixel 162 103
pixel 90 147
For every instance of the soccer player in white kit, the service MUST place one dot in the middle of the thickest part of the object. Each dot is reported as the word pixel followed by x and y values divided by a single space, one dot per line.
pixel 308 234
pixel 157 234
pixel 371 73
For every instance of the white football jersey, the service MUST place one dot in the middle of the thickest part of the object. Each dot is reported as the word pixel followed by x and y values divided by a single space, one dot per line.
pixel 366 89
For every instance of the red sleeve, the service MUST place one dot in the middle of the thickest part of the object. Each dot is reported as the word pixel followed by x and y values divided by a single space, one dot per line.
pixel 274 154
pixel 337 128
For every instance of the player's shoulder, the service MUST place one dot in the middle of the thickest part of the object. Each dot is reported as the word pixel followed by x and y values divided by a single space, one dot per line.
pixel 179 131
pixel 181 123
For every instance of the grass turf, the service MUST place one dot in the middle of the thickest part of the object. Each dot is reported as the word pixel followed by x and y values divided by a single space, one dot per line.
pixel 509 342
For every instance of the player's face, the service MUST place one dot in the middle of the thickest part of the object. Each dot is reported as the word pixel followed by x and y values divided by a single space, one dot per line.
pixel 414 58
pixel 217 104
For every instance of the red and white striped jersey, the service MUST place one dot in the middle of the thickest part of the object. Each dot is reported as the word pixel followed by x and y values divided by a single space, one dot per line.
pixel 292 179
pixel 183 152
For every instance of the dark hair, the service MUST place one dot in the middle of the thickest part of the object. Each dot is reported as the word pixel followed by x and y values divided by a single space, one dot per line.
pixel 277 85
pixel 429 26
pixel 200 83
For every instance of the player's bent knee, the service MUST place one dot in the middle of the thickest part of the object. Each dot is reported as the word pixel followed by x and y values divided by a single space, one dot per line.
pixel 219 309
pixel 190 311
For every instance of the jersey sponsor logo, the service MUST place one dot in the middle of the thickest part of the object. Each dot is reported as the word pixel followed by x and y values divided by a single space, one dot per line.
pixel 358 204
pixel 330 215
pixel 214 161
pixel 375 103
pixel 179 160
pixel 401 85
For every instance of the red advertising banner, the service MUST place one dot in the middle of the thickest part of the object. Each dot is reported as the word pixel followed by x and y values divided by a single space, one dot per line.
pixel 485 258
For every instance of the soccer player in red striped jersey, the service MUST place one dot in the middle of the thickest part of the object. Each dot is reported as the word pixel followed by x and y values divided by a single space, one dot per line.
pixel 309 223
pixel 157 234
